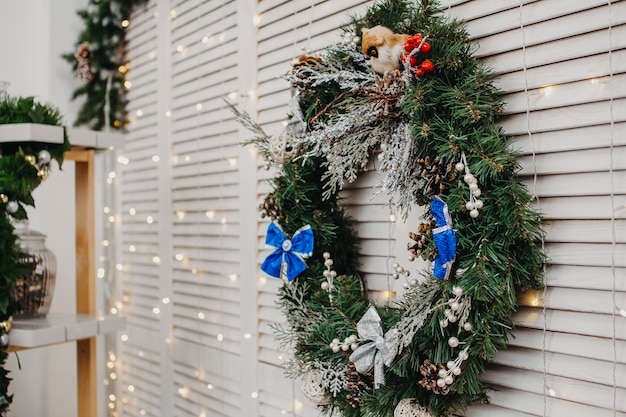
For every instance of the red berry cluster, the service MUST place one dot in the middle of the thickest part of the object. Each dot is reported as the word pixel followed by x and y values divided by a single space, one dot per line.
pixel 411 44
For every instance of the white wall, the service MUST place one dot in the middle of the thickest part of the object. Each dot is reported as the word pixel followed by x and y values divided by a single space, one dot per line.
pixel 33 35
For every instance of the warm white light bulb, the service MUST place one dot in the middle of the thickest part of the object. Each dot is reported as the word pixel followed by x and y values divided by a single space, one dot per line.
pixel 183 392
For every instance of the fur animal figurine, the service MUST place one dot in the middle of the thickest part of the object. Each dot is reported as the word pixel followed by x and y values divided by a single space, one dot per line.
pixel 383 47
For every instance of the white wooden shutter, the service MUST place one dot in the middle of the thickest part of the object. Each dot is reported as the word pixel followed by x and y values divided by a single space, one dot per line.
pixel 204 183
pixel 554 63
pixel 566 44
pixel 181 279
pixel 139 381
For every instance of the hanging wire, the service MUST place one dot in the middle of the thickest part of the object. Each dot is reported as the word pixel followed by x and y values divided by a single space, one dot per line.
pixel 612 180
pixel 546 388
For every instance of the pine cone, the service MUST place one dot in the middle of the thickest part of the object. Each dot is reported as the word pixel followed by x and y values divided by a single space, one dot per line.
pixel 270 209
pixel 357 384
pixel 306 61
pixel 423 236
pixel 430 375
pixel 299 69
pixel 436 173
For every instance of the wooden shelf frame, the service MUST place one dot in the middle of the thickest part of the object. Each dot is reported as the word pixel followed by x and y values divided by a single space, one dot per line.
pixel 85 277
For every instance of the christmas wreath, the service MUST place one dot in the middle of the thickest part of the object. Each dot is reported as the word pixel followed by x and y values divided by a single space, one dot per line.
pixel 412 95
pixel 23 166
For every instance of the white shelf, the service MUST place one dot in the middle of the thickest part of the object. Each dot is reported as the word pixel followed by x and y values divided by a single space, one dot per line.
pixel 92 139
pixel 61 328
pixel 79 138
pixel 30 132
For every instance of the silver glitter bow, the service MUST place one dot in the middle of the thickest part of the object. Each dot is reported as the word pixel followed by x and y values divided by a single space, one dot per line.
pixel 379 351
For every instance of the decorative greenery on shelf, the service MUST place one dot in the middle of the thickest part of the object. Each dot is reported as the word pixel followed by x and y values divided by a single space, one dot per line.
pixel 432 128
pixel 101 63
pixel 23 166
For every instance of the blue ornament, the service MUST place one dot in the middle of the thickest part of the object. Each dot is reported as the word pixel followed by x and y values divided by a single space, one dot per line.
pixel 444 238
pixel 287 261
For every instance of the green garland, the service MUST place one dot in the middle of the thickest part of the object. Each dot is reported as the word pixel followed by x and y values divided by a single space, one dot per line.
pixel 429 132
pixel 100 61
pixel 23 166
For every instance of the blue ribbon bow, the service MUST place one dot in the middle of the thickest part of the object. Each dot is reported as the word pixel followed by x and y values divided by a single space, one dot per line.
pixel 287 261
pixel 444 238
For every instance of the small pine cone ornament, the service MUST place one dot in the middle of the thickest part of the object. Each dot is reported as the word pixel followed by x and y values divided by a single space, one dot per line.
pixel 436 173
pixel 306 61
pixel 357 384
pixel 430 375
pixel 303 62
pixel 270 209
pixel 423 236
pixel 409 407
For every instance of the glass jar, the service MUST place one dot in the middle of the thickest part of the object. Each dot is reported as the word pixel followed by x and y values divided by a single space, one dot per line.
pixel 33 291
